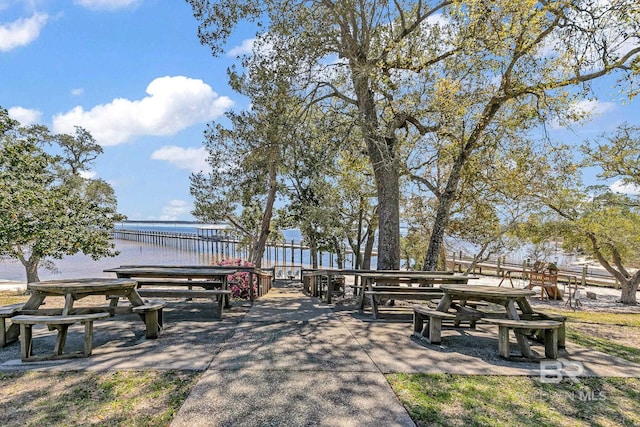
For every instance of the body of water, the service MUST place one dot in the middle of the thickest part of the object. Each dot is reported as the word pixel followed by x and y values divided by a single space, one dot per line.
pixel 133 252
pixel 77 266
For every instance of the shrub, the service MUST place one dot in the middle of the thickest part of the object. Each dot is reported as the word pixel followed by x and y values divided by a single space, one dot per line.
pixel 239 282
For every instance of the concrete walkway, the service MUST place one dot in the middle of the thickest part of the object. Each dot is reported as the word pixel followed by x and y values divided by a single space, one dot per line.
pixel 292 362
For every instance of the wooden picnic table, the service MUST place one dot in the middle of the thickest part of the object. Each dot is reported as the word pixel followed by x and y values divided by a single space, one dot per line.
pixel 312 282
pixel 73 290
pixel 211 273
pixel 426 282
pixel 507 297
pixel 212 279
pixel 506 273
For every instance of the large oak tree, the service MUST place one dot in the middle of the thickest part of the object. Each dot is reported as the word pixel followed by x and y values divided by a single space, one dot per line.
pixel 450 71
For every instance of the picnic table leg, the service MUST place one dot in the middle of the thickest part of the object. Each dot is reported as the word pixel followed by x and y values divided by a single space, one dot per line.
pixel 68 304
pixel 152 324
pixel 524 305
pixel 35 300
pixel 26 340
pixel 366 284
pixel 503 341
pixel 88 338
pixel 374 306
pixel 444 303
pixel 221 303
pixel 551 343
pixel 61 338
pixel 523 342
pixel 134 298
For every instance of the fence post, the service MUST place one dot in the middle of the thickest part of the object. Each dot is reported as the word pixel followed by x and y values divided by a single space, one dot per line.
pixel 584 275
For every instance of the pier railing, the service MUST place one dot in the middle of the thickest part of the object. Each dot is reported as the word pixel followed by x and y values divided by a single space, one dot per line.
pixel 224 246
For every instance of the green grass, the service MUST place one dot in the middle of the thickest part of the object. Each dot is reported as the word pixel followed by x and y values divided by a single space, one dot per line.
pixel 474 401
pixel 124 398
pixel 461 400
pixel 601 318
pixel 12 298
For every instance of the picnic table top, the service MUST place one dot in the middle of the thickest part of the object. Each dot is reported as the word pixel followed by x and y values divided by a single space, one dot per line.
pixel 159 271
pixel 422 275
pixel 76 285
pixel 485 291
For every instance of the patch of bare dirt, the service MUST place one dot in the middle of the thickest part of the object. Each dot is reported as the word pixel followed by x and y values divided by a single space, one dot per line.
pixel 624 335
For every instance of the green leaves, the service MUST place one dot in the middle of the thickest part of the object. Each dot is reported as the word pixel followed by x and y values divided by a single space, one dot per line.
pixel 46 208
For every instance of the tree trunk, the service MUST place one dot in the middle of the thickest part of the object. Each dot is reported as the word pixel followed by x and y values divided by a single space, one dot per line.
pixel 442 215
pixel 450 191
pixel 383 158
pixel 368 247
pixel 261 242
pixel 313 252
pixel 629 291
pixel 358 246
pixel 31 267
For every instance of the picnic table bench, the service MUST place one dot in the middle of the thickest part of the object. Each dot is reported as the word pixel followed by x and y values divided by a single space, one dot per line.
pixel 403 285
pixel 7 311
pixel 61 323
pixel 548 285
pixel 220 295
pixel 429 321
pixel 151 313
pixel 526 327
pixel 405 293
pixel 179 282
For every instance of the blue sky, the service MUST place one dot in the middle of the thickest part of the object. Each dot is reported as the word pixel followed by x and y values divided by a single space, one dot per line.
pixel 134 74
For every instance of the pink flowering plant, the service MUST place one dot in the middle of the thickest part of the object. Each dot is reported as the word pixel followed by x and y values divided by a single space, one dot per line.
pixel 239 281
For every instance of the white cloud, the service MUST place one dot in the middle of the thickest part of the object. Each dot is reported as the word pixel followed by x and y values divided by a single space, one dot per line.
pixel 174 210
pixel 88 174
pixel 77 91
pixel 593 106
pixel 25 116
pixel 174 103
pixel 21 32
pixel 193 159
pixel 245 48
pixel 620 187
pixel 107 4
pixel 586 107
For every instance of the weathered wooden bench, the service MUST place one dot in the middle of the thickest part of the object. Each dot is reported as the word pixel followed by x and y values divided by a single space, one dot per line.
pixel 159 281
pixel 399 293
pixel 550 316
pixel 548 285
pixel 219 294
pixel 433 325
pixel 151 312
pixel 61 323
pixel 525 327
pixel 7 311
